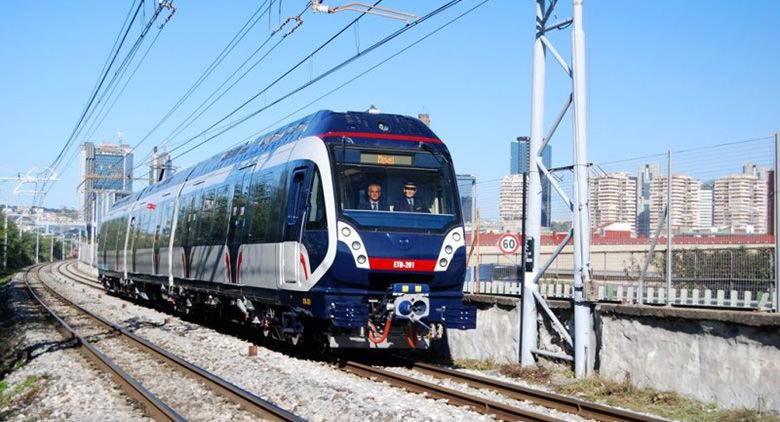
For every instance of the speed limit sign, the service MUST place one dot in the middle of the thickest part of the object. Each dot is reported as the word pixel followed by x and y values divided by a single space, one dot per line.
pixel 508 243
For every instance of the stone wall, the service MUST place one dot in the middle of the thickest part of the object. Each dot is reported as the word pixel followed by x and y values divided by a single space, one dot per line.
pixel 732 360
pixel 728 357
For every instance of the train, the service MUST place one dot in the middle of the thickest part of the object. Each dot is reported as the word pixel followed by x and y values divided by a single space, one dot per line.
pixel 341 229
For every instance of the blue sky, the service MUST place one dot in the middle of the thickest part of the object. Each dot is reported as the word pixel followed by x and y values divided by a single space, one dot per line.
pixel 661 75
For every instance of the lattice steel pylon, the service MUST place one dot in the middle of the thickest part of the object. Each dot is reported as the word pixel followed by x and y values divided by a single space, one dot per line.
pixel 582 342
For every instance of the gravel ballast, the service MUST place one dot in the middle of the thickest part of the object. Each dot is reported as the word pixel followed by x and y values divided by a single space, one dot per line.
pixel 54 382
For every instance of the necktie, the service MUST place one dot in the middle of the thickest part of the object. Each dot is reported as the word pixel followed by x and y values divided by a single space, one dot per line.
pixel 373 206
pixel 411 202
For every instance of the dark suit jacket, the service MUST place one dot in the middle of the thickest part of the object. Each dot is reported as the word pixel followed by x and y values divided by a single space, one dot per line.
pixel 403 205
pixel 366 205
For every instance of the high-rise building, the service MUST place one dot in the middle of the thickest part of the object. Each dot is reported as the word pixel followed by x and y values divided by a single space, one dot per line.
pixel 466 187
pixel 705 207
pixel 612 200
pixel 106 173
pixel 685 202
pixel 510 199
pixel 740 203
pixel 644 178
pixel 519 159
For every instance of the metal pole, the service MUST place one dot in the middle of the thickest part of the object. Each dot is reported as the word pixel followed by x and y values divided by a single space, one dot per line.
pixel 529 336
pixel 5 239
pixel 51 248
pixel 62 250
pixel 92 231
pixel 474 224
pixel 37 244
pixel 584 358
pixel 669 225
pixel 776 305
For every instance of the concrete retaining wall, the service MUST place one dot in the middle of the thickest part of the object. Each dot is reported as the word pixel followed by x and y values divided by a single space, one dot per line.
pixel 729 357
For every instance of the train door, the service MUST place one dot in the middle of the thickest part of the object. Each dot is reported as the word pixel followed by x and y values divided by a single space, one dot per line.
pixel 293 260
pixel 159 218
pixel 235 234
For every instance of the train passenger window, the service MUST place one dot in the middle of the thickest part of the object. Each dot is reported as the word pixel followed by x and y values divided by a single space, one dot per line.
pixel 206 217
pixel 316 217
pixel 219 217
pixel 165 224
pixel 260 207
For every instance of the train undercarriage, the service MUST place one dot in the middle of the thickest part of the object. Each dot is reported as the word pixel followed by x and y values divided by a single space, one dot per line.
pixel 394 321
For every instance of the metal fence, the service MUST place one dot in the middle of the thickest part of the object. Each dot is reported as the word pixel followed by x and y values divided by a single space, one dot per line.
pixel 692 227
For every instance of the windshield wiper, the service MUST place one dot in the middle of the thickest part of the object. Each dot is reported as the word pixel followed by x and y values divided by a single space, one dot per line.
pixel 435 154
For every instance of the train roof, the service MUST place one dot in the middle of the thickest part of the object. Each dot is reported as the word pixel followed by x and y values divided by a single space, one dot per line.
pixel 324 123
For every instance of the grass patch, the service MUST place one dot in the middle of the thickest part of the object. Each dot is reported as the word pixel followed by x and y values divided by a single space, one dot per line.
pixel 5 278
pixel 475 364
pixel 662 403
pixel 22 394
pixel 539 374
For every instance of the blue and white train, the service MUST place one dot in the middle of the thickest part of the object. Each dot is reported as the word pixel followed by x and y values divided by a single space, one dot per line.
pixel 278 233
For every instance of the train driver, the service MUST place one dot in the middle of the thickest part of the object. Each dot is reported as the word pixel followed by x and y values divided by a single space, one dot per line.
pixel 374 198
pixel 409 202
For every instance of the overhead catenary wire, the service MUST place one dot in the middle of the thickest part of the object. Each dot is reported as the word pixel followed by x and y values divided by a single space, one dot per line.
pixel 99 94
pixel 287 72
pixel 316 79
pixel 95 91
pixel 356 77
pixel 190 119
pixel 237 38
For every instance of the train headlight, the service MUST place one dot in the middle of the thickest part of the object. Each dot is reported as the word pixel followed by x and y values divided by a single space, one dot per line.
pixel 443 262
pixel 346 231
pixel 405 308
pixel 361 259
pixel 419 307
pixel 456 236
pixel 448 249
pixel 356 245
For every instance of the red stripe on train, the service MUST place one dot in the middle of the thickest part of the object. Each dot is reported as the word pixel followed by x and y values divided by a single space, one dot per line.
pixel 395 264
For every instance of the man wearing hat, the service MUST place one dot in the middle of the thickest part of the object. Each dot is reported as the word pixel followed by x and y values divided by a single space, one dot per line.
pixel 409 202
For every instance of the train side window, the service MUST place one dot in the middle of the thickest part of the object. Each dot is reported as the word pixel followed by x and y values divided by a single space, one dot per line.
pixel 219 218
pixel 260 208
pixel 181 223
pixel 165 224
pixel 316 217
pixel 206 217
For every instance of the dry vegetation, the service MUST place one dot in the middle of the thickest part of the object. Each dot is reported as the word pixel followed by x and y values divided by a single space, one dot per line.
pixel 622 394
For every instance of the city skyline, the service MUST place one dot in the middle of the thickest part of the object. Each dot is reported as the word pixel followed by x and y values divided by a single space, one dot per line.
pixel 414 82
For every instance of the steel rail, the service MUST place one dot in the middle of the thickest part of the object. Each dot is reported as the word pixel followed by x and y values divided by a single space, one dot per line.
pixel 559 402
pixel 245 399
pixel 156 408
pixel 65 270
pixel 485 406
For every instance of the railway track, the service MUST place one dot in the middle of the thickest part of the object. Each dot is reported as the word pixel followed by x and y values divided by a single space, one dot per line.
pixel 547 399
pixel 501 411
pixel 67 270
pixel 74 321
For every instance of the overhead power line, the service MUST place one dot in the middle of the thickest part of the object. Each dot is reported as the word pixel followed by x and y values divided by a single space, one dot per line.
pixel 312 81
pixel 355 78
pixel 95 91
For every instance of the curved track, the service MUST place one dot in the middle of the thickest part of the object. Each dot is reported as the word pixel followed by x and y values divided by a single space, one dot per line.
pixel 156 407
pixel 502 411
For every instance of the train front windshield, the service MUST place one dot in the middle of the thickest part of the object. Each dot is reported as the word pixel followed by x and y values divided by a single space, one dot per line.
pixel 395 190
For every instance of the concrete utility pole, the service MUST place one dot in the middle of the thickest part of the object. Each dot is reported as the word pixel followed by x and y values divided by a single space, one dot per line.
pixel 5 239
pixel 776 306
pixel 582 342
pixel 37 244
